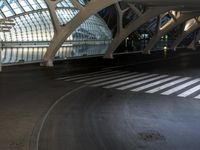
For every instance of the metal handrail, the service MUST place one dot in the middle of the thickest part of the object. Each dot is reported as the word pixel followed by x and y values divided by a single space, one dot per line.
pixel 5 26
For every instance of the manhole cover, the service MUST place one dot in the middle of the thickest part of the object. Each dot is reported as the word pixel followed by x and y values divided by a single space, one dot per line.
pixel 151 136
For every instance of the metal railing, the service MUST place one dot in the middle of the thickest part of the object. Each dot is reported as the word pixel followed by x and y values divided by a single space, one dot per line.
pixel 5 26
pixel 17 54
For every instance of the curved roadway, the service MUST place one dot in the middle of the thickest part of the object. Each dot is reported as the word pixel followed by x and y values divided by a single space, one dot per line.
pixel 94 118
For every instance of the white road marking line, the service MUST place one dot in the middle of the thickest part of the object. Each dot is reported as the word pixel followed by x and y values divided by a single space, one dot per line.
pixel 51 109
pixel 109 78
pixel 190 91
pixel 118 80
pixel 80 75
pixel 180 87
pixel 104 76
pixel 141 82
pixel 129 81
pixel 153 84
pixel 197 97
pixel 89 76
pixel 154 90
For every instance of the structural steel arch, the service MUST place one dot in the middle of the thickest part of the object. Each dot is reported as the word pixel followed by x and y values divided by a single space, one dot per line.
pixel 132 26
pixel 185 33
pixel 175 21
pixel 84 10
pixel 32 31
pixel 192 45
pixel 62 32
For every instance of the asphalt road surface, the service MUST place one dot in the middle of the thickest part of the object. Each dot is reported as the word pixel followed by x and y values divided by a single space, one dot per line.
pixel 151 105
pixel 134 102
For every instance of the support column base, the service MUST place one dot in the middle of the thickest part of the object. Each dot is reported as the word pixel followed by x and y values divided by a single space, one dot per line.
pixel 48 63
pixel 110 56
pixel 192 45
pixel 174 49
pixel 146 52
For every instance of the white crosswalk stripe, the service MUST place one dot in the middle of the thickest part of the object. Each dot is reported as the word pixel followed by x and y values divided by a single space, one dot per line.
pixel 118 80
pixel 190 91
pixel 141 82
pixel 197 97
pixel 170 84
pixel 105 76
pixel 109 78
pixel 138 82
pixel 180 87
pixel 89 76
pixel 129 81
pixel 80 75
pixel 154 84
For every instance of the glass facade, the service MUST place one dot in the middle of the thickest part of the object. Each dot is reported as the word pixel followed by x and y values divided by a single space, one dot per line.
pixel 28 31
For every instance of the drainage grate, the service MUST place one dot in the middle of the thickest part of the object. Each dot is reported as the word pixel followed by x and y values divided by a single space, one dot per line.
pixel 151 136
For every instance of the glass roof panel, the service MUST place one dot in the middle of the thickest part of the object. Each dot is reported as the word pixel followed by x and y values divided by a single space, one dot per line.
pixel 1 4
pixel 11 7
pixel 65 3
pixel 7 12
pixel 82 2
pixel 59 5
pixel 25 5
pixel 37 26
pixel 34 4
pixel 15 6
pixel 42 3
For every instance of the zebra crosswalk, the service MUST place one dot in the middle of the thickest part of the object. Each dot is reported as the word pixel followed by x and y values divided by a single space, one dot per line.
pixel 180 87
pixel 163 84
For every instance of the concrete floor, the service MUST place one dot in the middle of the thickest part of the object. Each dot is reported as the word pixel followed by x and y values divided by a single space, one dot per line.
pixel 39 112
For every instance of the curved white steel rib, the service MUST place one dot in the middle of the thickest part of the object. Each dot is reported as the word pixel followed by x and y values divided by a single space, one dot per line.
pixel 185 33
pixel 62 32
pixel 132 26
pixel 177 20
